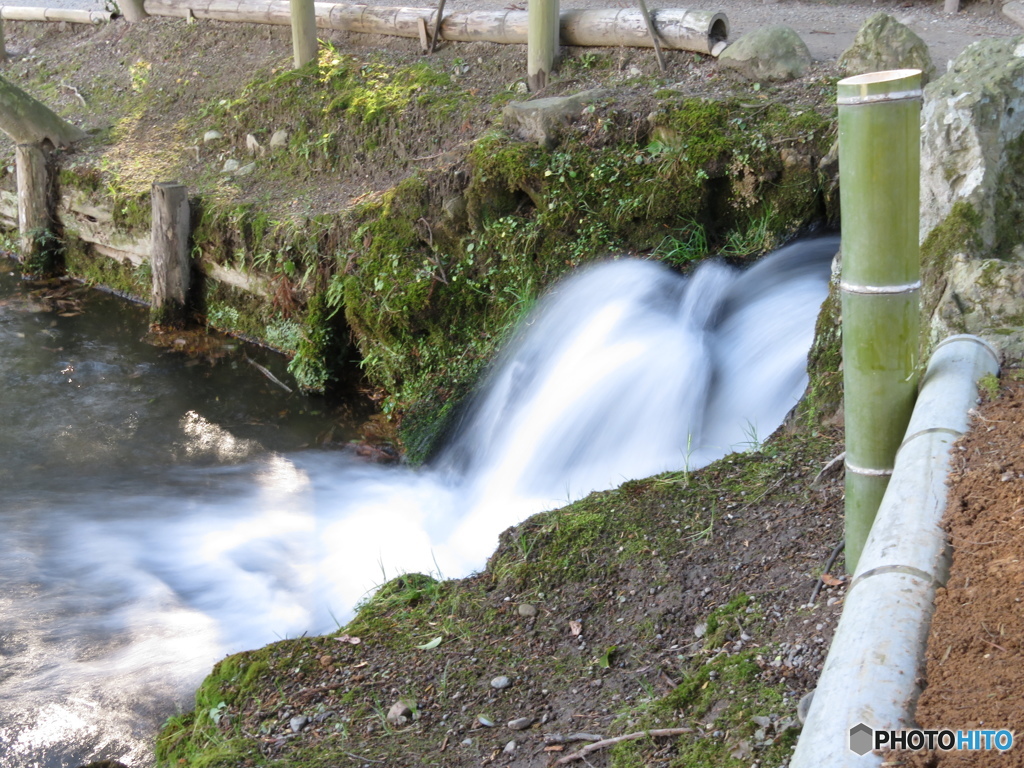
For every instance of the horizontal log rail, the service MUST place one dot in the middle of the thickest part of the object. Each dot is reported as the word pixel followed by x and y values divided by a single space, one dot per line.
pixel 22 13
pixel 677 29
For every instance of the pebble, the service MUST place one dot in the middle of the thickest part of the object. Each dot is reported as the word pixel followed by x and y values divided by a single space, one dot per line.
pixel 230 166
pixel 279 139
pixel 500 682
pixel 520 723
pixel 527 611
pixel 212 136
pixel 510 747
pixel 485 721
pixel 401 711
pixel 298 722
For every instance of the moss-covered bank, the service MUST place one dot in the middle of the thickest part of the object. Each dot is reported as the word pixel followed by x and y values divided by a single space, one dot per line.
pixel 615 614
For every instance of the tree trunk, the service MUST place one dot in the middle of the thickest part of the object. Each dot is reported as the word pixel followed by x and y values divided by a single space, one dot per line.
pixel 304 44
pixel 170 255
pixel 677 29
pixel 28 121
pixel 133 10
pixel 541 42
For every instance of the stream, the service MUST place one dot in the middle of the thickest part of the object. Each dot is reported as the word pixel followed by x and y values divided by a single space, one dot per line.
pixel 159 512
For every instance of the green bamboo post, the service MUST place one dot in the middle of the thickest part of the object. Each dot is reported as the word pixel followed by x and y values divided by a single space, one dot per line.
pixel 542 36
pixel 304 42
pixel 879 162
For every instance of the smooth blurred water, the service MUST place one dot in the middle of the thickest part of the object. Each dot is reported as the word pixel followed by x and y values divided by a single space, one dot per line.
pixel 158 515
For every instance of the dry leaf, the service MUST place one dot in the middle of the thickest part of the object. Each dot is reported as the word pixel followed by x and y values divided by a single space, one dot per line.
pixel 831 581
pixel 348 639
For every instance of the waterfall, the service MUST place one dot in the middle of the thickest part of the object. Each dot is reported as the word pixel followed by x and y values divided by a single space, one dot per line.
pixel 122 584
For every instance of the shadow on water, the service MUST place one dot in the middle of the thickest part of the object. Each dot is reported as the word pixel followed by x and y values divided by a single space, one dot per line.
pixel 159 513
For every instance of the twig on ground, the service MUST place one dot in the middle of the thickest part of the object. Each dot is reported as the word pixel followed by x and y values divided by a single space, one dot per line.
pixel 581 754
pixel 828 566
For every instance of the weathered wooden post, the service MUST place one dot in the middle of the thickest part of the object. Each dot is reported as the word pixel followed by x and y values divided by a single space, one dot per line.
pixel 170 254
pixel 35 226
pixel 879 164
pixel 304 43
pixel 134 11
pixel 542 36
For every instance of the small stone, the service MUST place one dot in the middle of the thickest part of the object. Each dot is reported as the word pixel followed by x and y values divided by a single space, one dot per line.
pixel 510 747
pixel 467 742
pixel 486 722
pixel 245 170
pixel 230 166
pixel 253 145
pixel 212 136
pixel 298 722
pixel 401 712
pixel 520 723
pixel 634 72
pixel 326 660
pixel 596 683
pixel 701 629
pixel 501 682
pixel 279 139
pixel 527 611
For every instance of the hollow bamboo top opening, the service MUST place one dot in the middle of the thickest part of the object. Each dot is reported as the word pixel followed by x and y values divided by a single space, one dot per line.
pixel 890 85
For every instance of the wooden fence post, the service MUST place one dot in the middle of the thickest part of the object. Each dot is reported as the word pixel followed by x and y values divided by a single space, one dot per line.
pixel 304 44
pixel 542 37
pixel 170 255
pixel 133 11
pixel 35 224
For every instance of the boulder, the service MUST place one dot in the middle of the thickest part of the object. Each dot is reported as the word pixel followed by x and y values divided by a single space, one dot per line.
pixel 772 53
pixel 972 196
pixel 542 120
pixel 884 43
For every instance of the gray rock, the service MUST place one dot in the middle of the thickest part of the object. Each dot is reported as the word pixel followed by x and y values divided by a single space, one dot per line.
pixel 510 747
pixel 527 611
pixel 883 43
pixel 298 722
pixel 230 166
pixel 520 723
pixel 500 682
pixel 486 722
pixel 212 136
pixel 542 120
pixel 246 169
pixel 972 191
pixel 279 139
pixel 253 144
pixel 401 712
pixel 772 53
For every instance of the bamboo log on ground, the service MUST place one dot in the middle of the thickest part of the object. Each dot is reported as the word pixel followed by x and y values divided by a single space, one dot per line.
pixel 678 29
pixel 21 13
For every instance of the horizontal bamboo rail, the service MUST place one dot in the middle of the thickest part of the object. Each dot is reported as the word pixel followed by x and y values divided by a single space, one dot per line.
pixel 677 28
pixel 21 13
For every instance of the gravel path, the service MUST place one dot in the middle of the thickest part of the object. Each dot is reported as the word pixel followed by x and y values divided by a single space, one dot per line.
pixel 828 28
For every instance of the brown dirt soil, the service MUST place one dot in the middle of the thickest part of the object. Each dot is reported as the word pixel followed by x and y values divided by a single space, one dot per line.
pixel 975 673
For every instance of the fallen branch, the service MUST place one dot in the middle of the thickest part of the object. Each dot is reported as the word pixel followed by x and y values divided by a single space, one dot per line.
pixel 828 566
pixel 658 732
pixel 268 374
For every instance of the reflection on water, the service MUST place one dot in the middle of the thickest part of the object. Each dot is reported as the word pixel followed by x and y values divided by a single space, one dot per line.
pixel 158 515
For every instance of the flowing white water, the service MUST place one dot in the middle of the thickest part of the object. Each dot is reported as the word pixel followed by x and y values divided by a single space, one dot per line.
pixel 123 582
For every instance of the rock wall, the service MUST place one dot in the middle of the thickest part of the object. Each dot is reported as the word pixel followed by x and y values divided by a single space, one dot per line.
pixel 972 197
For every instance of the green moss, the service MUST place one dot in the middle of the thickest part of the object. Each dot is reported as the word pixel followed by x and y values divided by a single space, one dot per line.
pixel 959 232
pixel 123 278
pixel 824 394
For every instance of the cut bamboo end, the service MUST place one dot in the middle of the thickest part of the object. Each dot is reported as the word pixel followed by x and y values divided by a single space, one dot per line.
pixel 890 85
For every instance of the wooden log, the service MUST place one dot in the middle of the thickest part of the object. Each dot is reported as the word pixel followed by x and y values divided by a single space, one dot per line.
pixel 541 42
pixel 170 257
pixel 134 11
pixel 35 225
pixel 20 13
pixel 678 29
pixel 304 43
